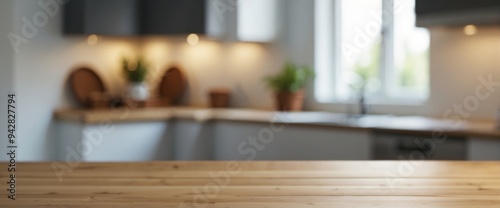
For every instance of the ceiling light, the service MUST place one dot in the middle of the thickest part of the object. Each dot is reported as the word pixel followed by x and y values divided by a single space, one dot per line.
pixel 92 39
pixel 193 39
pixel 470 30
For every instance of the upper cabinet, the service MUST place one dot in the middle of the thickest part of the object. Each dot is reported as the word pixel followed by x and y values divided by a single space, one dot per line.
pixel 134 17
pixel 104 17
pixel 244 20
pixel 258 20
pixel 226 20
pixel 165 17
pixel 457 12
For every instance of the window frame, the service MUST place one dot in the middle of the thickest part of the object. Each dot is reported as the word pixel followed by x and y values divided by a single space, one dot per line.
pixel 387 93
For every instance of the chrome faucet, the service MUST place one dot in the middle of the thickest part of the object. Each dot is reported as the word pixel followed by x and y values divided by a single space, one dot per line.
pixel 363 110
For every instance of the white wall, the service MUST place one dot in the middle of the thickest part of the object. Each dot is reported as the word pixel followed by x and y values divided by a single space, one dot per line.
pixel 6 69
pixel 240 66
pixel 41 69
pixel 457 61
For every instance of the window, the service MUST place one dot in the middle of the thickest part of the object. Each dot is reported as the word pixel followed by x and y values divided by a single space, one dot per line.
pixel 370 46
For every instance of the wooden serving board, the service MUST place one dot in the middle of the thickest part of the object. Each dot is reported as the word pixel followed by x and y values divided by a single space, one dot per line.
pixel 173 85
pixel 257 184
pixel 85 82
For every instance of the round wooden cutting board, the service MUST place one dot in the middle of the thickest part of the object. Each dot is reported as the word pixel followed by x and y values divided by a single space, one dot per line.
pixel 173 85
pixel 84 82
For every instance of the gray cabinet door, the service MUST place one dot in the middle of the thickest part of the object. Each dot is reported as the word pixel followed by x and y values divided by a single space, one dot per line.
pixel 483 149
pixel 103 17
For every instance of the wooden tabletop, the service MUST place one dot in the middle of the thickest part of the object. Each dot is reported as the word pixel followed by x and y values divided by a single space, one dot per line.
pixel 256 184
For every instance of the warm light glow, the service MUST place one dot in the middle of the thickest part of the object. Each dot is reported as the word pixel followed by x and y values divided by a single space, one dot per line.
pixel 246 53
pixel 470 30
pixel 247 57
pixel 92 39
pixel 193 39
pixel 205 54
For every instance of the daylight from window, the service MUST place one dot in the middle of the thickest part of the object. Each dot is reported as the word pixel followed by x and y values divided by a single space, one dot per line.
pixel 411 54
pixel 382 54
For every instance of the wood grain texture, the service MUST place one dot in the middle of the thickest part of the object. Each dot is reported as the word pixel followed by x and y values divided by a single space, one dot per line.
pixel 173 84
pixel 84 82
pixel 258 184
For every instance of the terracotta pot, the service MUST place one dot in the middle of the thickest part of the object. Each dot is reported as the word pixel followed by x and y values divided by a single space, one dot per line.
pixel 290 101
pixel 219 98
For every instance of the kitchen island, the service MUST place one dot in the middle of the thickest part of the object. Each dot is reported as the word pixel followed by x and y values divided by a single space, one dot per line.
pixel 371 122
pixel 257 184
pixel 183 133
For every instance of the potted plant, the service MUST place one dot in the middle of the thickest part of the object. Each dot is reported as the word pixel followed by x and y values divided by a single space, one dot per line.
pixel 289 86
pixel 136 73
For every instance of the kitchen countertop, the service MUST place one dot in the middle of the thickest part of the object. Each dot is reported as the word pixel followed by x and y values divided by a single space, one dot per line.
pixel 377 123
pixel 233 184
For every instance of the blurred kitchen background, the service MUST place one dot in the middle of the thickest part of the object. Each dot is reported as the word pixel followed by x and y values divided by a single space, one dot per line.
pixel 412 79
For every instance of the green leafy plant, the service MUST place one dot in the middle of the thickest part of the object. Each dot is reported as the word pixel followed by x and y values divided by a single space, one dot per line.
pixel 291 78
pixel 135 71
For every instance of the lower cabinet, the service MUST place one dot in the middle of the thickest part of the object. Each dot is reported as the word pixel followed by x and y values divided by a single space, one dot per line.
pixel 389 146
pixel 260 141
pixel 483 149
pixel 422 147
pixel 115 142
pixel 193 140
pixel 185 139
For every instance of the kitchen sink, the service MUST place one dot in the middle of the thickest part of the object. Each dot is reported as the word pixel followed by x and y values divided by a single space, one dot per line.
pixel 338 119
